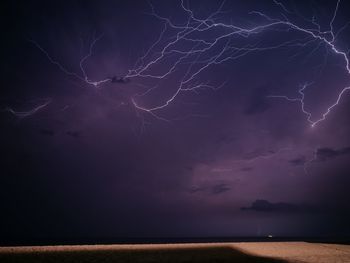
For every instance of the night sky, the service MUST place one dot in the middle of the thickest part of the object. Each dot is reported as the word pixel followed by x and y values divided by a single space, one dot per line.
pixel 244 149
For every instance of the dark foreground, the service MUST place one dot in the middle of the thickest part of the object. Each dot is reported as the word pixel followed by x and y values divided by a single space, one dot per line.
pixel 166 255
pixel 277 252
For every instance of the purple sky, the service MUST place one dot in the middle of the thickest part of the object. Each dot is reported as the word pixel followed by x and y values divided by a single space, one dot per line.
pixel 95 161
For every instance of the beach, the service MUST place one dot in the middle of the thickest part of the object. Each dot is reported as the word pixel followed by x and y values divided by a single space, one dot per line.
pixel 192 252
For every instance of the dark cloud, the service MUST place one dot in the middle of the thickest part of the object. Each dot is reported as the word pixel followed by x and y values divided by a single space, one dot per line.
pixel 215 189
pixel 324 154
pixel 261 205
pixel 196 189
pixel 298 161
pixel 220 188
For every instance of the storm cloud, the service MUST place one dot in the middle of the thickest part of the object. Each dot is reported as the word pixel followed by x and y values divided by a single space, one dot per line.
pixel 261 205
pixel 95 162
pixel 324 154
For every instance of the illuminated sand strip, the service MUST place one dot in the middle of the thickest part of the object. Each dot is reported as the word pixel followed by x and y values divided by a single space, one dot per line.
pixel 298 251
pixel 289 251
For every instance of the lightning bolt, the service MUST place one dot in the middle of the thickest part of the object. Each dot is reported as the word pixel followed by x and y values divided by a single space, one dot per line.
pixel 193 51
pixel 320 35
pixel 310 161
pixel 24 114
pixel 83 77
pixel 302 103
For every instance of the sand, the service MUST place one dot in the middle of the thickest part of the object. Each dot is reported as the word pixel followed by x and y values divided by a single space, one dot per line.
pixel 299 251
pixel 206 252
